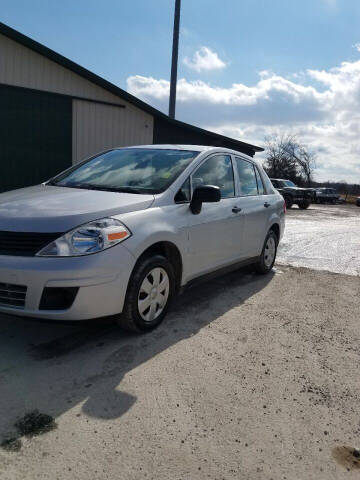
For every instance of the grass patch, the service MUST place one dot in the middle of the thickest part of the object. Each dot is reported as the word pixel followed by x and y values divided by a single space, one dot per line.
pixel 35 423
pixel 12 444
pixel 349 199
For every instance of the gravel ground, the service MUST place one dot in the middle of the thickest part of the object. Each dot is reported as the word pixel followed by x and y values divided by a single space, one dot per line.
pixel 250 377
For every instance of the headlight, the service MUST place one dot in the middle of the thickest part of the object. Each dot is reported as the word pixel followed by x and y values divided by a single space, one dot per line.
pixel 89 238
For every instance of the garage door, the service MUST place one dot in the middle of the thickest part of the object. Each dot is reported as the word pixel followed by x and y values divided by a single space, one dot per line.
pixel 35 136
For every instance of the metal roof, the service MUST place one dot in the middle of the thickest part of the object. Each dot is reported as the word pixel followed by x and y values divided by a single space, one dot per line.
pixel 92 77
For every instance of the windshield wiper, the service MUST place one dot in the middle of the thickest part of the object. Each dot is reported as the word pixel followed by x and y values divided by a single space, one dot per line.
pixel 89 186
pixel 126 189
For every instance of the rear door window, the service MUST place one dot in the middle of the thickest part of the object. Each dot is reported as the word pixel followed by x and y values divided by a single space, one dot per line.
pixel 247 178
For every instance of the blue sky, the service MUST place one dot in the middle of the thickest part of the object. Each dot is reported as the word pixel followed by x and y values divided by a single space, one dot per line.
pixel 246 68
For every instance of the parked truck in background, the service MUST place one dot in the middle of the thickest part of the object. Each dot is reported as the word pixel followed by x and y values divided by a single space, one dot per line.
pixel 326 195
pixel 293 194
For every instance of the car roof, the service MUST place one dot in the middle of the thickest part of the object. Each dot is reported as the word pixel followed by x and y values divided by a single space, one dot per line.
pixel 194 148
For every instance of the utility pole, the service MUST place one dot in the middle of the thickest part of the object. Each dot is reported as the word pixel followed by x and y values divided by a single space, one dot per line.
pixel 174 60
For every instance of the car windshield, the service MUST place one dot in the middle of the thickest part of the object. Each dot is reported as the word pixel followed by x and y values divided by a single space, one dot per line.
pixel 289 183
pixel 132 170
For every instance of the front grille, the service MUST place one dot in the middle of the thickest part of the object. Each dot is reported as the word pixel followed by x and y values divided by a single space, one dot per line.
pixel 24 244
pixel 12 295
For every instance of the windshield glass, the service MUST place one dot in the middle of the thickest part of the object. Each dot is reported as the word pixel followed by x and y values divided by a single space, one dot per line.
pixel 289 183
pixel 135 170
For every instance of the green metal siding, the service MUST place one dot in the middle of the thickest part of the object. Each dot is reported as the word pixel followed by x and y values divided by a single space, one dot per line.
pixel 35 136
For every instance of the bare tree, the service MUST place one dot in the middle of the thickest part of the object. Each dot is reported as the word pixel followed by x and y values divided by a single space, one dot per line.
pixel 304 159
pixel 278 163
pixel 287 158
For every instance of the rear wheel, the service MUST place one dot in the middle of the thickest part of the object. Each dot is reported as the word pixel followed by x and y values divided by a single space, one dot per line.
pixel 304 205
pixel 150 291
pixel 268 254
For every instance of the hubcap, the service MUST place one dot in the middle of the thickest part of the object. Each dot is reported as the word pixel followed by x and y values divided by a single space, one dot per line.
pixel 153 294
pixel 270 250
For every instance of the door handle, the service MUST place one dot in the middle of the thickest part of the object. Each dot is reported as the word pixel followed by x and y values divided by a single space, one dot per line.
pixel 267 204
pixel 236 210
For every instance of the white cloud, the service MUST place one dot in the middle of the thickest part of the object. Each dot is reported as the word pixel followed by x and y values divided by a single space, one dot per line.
pixel 357 46
pixel 321 106
pixel 204 59
pixel 331 3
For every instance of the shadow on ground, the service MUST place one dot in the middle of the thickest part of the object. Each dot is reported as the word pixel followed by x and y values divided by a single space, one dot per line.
pixel 53 367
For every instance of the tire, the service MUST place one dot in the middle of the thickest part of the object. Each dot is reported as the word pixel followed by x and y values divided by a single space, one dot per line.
pixel 304 205
pixel 265 265
pixel 139 290
pixel 289 202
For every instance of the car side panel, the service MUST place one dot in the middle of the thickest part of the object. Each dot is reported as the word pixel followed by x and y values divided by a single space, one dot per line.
pixel 158 224
pixel 215 237
pixel 255 216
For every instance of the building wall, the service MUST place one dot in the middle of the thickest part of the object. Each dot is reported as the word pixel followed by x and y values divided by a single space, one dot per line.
pixel 95 126
pixel 98 127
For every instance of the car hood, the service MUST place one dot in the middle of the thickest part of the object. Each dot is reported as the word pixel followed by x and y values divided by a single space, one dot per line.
pixel 46 208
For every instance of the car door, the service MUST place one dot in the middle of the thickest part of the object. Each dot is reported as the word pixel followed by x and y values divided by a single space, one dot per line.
pixel 215 234
pixel 255 205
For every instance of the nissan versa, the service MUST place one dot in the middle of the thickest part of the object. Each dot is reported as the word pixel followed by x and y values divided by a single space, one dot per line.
pixel 122 232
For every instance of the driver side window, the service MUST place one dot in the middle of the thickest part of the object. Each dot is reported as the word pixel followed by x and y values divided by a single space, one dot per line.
pixel 218 171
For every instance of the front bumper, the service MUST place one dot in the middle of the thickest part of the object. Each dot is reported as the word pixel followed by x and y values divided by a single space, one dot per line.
pixel 102 279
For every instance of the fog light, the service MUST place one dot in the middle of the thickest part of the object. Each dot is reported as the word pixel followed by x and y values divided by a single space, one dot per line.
pixel 57 298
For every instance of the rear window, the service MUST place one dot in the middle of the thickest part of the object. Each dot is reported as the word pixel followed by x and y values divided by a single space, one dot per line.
pixel 260 184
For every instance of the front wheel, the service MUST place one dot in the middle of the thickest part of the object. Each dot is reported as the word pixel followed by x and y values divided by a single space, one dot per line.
pixel 150 291
pixel 268 254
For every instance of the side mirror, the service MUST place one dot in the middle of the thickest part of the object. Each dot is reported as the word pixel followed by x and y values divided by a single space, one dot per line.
pixel 205 193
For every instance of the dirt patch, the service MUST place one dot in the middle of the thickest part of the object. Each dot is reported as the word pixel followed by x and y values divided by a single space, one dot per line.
pixel 318 395
pixel 348 457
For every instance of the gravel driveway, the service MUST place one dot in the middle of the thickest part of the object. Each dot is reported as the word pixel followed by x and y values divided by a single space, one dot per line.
pixel 250 377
